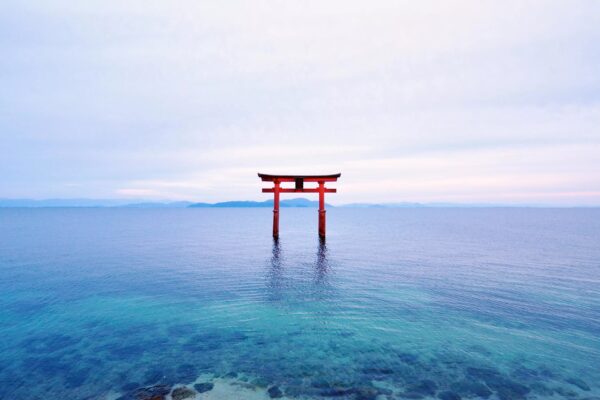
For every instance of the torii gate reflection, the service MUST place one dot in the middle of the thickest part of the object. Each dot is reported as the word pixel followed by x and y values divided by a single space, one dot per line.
pixel 299 188
pixel 279 285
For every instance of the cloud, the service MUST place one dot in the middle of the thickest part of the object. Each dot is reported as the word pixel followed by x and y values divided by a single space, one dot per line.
pixel 191 99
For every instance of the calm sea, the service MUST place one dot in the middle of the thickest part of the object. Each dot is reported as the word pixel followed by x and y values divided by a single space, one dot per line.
pixel 397 303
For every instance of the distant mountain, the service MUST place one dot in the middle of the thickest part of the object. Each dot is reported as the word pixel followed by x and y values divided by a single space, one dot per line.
pixel 435 205
pixel 298 202
pixel 235 204
pixel 173 204
pixel 29 203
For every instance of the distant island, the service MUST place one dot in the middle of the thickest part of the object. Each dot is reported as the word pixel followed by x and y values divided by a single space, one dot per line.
pixel 298 202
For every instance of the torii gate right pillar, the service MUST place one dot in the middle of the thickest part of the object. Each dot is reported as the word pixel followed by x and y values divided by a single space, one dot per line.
pixel 276 209
pixel 322 220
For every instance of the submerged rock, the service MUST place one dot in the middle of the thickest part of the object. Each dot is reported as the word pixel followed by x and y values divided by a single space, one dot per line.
pixel 48 343
pixel 525 373
pixel 181 329
pixel 408 358
pixel 77 377
pixel 424 387
pixel 275 392
pixel 470 388
pixel 130 386
pixel 448 395
pixel 204 387
pixel 480 349
pixel 546 372
pixel 153 376
pixel 45 365
pixel 508 389
pixel 157 392
pixel 484 374
pixel 336 391
pixel 182 393
pixel 541 389
pixel 236 337
pixel 154 391
pixel 366 393
pixel 126 352
pixel 378 371
pixel 319 383
pixel 411 395
pixel 203 342
pixel 565 392
pixel 186 373
pixel 579 383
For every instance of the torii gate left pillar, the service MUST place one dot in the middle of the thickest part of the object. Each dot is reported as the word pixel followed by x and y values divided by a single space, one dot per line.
pixel 299 188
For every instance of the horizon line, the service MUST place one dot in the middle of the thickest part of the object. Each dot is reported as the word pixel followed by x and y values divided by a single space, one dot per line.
pixel 125 202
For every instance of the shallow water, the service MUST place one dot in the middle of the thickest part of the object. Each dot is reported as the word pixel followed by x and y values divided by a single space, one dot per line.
pixel 398 303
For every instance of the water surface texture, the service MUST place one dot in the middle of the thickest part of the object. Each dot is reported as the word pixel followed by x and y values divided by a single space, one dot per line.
pixel 398 303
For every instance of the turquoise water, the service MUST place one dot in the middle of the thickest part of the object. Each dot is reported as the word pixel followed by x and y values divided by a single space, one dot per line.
pixel 398 303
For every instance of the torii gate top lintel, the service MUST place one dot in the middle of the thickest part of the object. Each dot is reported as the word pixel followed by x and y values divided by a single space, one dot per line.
pixel 305 178
pixel 299 187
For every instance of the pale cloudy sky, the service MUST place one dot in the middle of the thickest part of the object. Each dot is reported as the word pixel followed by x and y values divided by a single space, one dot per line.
pixel 458 101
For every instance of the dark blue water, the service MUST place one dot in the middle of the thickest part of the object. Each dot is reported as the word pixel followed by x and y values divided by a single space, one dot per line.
pixel 398 303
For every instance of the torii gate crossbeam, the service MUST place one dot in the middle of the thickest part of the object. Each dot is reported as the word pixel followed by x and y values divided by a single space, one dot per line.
pixel 299 188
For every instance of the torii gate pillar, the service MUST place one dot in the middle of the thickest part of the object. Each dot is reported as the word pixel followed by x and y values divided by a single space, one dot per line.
pixel 299 188
pixel 276 209
pixel 322 209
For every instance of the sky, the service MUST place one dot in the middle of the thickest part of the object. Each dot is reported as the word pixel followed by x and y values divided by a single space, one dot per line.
pixel 447 101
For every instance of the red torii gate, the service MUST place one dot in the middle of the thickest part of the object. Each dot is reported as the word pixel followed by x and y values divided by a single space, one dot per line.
pixel 299 188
